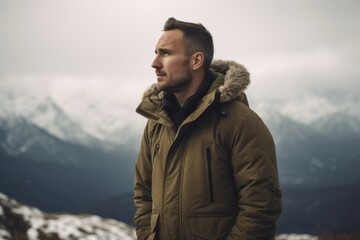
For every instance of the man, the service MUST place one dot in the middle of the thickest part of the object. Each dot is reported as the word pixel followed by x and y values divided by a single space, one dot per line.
pixel 207 166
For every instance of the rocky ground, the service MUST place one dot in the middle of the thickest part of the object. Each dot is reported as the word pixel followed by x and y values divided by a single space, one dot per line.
pixel 21 222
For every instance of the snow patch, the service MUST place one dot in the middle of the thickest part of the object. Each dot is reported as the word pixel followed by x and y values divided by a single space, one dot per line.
pixel 295 237
pixel 80 227
pixel 3 197
pixel 28 213
pixel 4 234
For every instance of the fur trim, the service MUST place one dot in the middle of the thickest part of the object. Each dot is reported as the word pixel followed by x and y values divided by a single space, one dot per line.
pixel 235 82
pixel 236 79
pixel 152 90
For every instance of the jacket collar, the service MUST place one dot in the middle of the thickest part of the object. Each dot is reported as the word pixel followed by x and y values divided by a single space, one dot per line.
pixel 177 113
pixel 231 79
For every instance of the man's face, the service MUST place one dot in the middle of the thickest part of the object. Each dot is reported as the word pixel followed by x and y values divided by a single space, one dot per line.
pixel 171 65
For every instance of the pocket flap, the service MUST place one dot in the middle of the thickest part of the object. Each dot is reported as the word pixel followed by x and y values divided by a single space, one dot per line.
pixel 211 227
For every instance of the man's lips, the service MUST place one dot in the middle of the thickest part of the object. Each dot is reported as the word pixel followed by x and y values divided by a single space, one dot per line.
pixel 160 74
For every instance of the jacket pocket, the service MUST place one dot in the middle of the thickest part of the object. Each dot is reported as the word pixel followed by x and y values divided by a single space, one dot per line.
pixel 210 227
pixel 209 170
pixel 154 226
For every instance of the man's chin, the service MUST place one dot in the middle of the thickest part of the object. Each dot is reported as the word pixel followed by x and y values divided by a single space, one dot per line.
pixel 159 87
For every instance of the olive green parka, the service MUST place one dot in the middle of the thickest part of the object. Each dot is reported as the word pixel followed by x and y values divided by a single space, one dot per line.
pixel 215 177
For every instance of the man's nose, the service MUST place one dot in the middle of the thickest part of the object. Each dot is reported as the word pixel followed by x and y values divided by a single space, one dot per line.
pixel 156 63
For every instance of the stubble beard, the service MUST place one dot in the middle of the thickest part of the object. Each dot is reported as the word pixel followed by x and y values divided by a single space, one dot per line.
pixel 179 82
pixel 180 85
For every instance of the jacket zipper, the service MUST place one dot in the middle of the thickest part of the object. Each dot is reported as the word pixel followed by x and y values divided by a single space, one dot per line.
pixel 208 158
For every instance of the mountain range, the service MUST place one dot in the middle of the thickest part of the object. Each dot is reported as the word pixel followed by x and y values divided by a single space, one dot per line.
pixel 61 159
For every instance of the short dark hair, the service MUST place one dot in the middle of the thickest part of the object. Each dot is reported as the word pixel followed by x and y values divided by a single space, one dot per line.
pixel 196 38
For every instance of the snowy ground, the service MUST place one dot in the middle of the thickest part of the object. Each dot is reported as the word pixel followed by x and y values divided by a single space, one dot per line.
pixel 30 223
pixel 295 237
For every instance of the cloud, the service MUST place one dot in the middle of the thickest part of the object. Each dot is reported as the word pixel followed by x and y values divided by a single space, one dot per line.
pixel 289 47
pixel 318 70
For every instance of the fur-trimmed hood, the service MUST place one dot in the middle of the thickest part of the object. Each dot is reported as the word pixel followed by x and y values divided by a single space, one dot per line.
pixel 236 79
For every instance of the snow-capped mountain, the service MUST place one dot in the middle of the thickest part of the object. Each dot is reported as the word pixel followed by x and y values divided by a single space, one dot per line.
pixel 21 137
pixel 316 137
pixel 97 124
pixel 41 169
pixel 18 221
pixel 315 150
pixel 46 114
pixel 324 115
pixel 111 122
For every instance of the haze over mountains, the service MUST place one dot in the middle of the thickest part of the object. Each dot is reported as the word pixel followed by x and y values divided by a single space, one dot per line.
pixel 306 131
pixel 78 156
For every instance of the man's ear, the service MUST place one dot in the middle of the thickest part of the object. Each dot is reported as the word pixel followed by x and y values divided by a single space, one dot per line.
pixel 197 61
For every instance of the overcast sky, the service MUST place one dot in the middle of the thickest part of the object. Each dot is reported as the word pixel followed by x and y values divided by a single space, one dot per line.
pixel 289 47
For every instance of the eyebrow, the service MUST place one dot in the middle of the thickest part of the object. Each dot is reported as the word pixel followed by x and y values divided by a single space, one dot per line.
pixel 163 50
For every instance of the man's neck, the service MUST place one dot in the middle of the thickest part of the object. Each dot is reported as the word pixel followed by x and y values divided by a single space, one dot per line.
pixel 182 96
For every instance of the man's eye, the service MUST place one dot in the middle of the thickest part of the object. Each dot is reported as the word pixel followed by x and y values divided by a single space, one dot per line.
pixel 164 53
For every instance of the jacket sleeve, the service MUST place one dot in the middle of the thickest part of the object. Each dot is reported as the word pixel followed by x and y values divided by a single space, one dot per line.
pixel 256 180
pixel 142 188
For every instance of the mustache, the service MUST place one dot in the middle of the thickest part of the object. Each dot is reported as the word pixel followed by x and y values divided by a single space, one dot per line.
pixel 158 72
